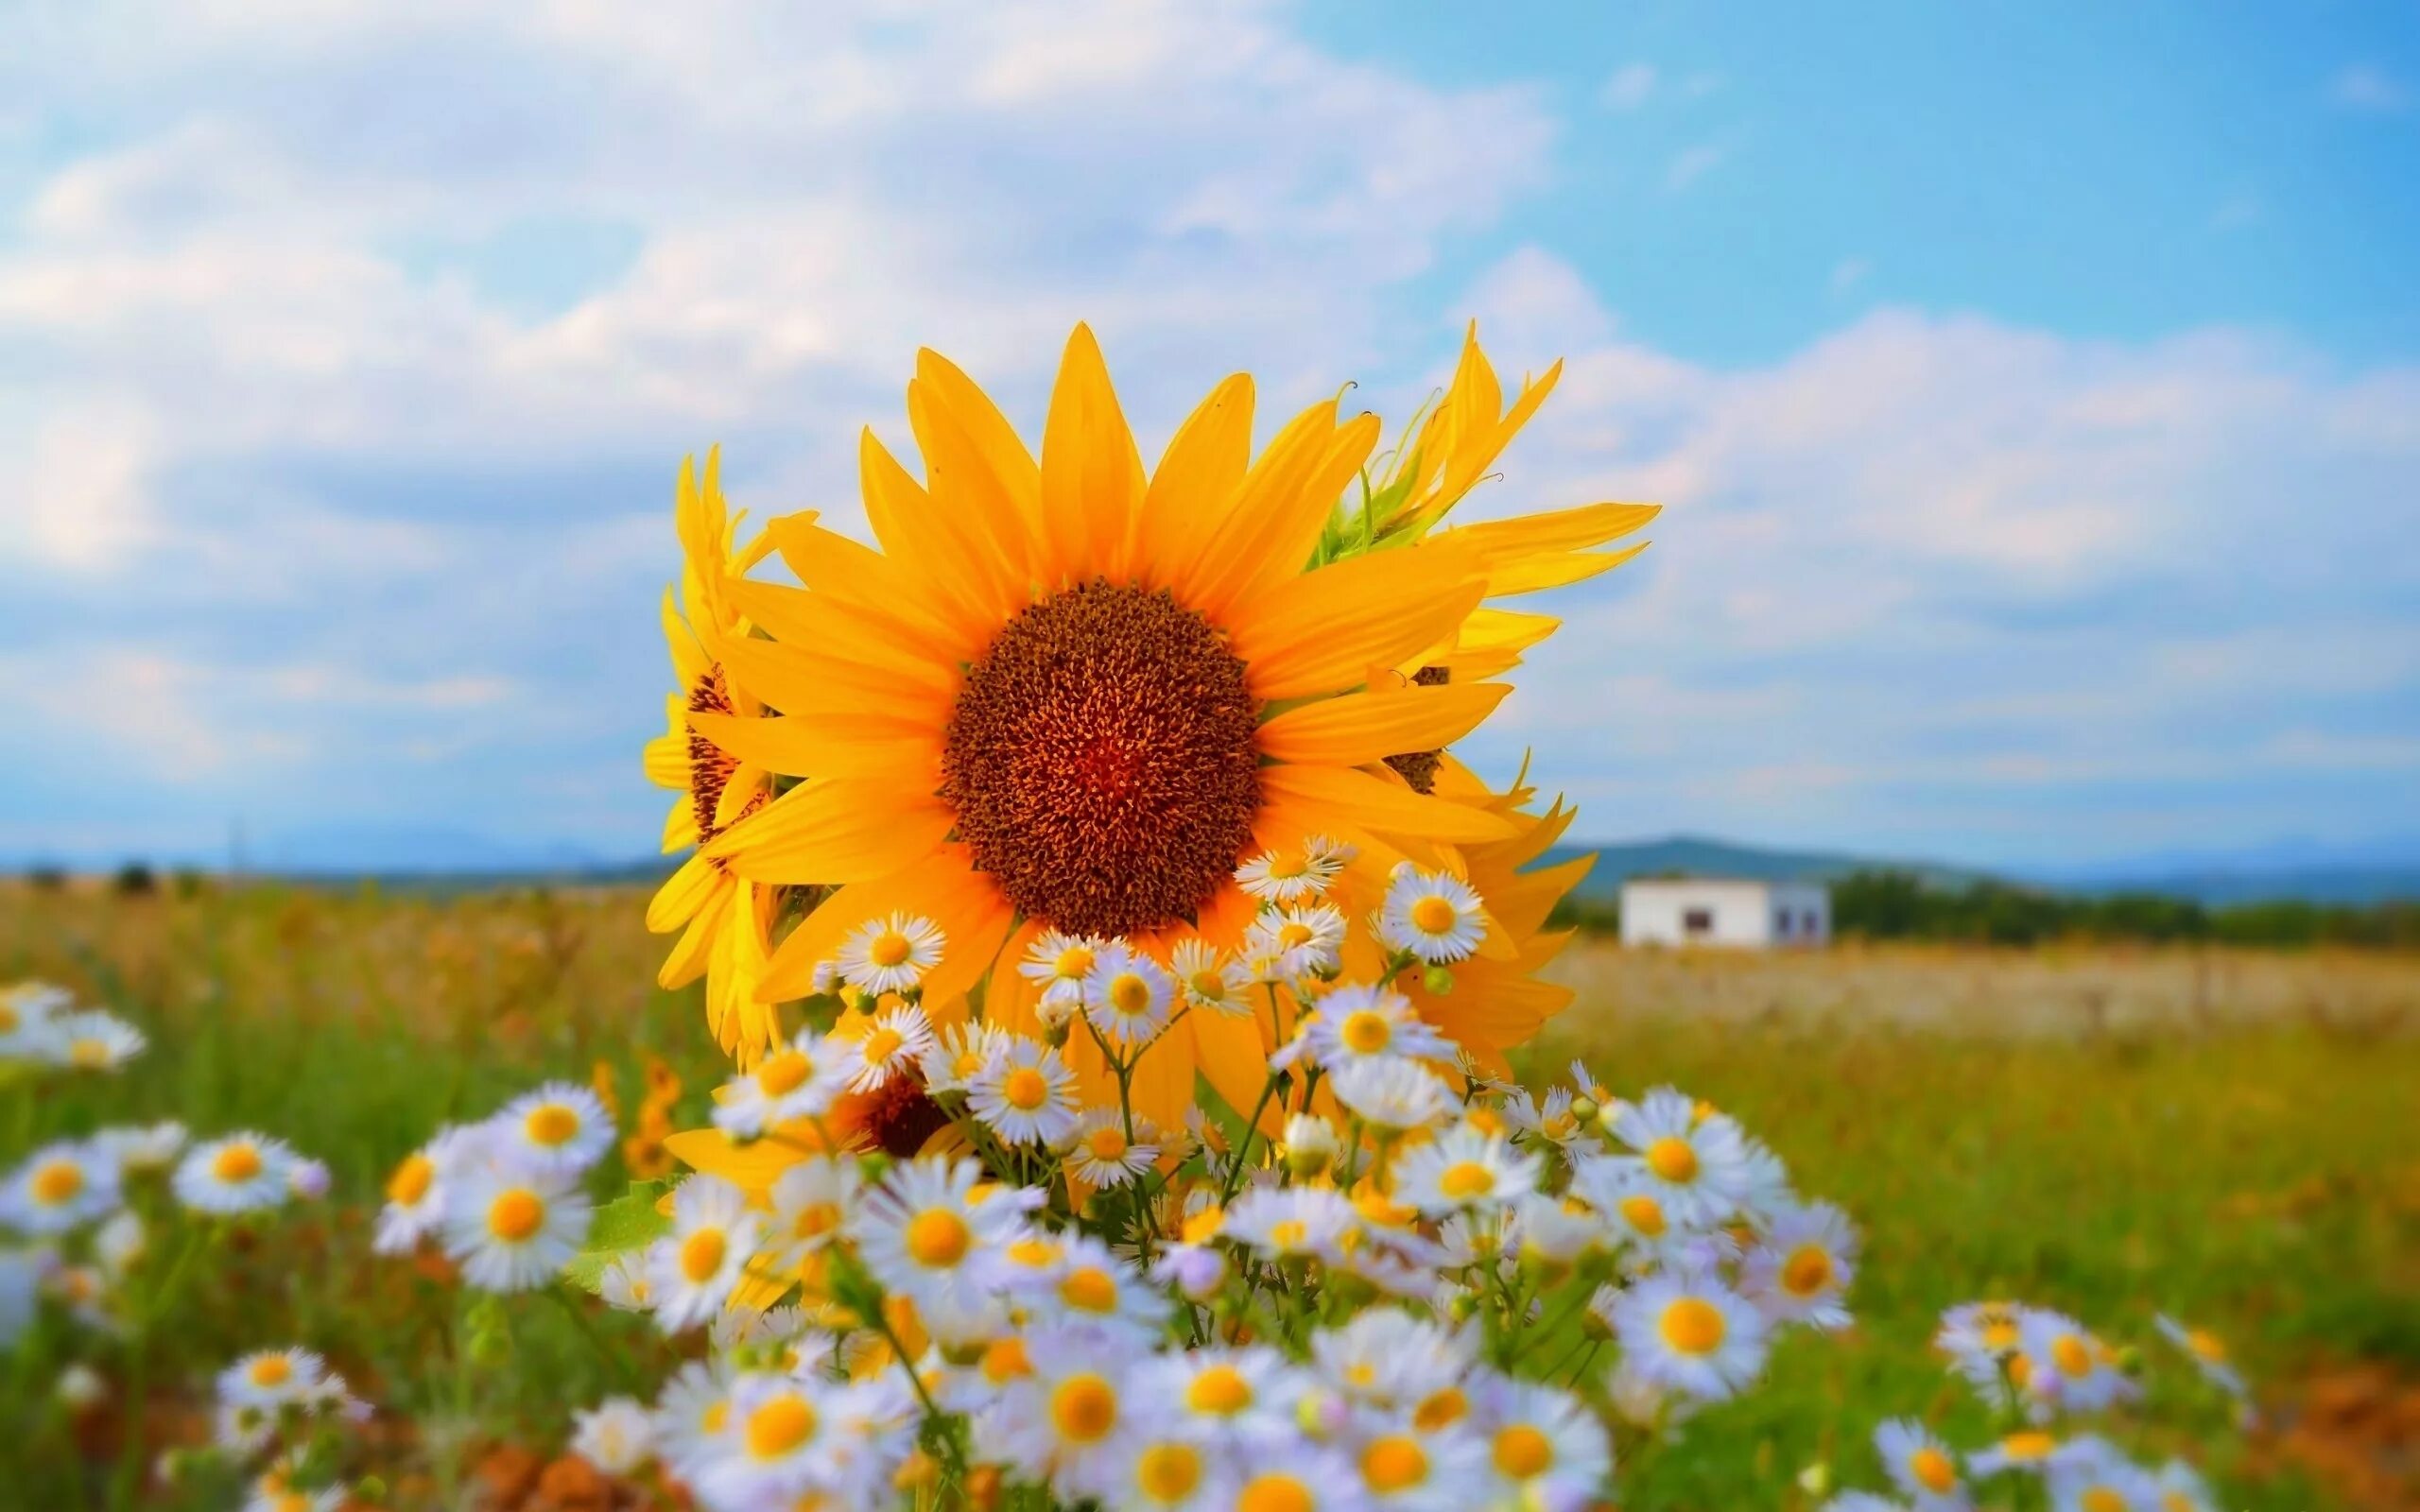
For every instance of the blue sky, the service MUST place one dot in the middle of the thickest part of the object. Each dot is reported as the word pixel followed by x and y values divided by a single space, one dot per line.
pixel 2036 390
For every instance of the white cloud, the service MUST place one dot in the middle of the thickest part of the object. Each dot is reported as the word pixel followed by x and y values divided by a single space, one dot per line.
pixel 2369 89
pixel 1849 272
pixel 1629 87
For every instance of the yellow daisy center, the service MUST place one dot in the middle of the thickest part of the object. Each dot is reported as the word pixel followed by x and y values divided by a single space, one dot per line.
pixel 1168 1472
pixel 2071 1354
pixel 57 1182
pixel 2102 1499
pixel 937 1237
pixel 701 1254
pixel 2206 1345
pixel 1084 1409
pixel 889 948
pixel 1101 760
pixel 1394 1462
pixel 515 1215
pixel 1033 1253
pixel 411 1179
pixel 1005 1360
pixel 2000 1337
pixel 1025 1089
pixel 1433 914
pixel 272 1371
pixel 1089 1290
pixel 2027 1445
pixel 1932 1470
pixel 1107 1143
pixel 1129 994
pixel 1292 936
pixel 1466 1179
pixel 551 1124
pixel 1692 1325
pixel 1221 1390
pixel 1644 1214
pixel 815 1220
pixel 88 1054
pixel 1808 1271
pixel 1076 960
pixel 1366 1032
pixel 1277 1492
pixel 1521 1452
pixel 783 1074
pixel 237 1163
pixel 1289 1234
pixel 779 1427
pixel 1209 986
pixel 882 1044
pixel 1441 1409
pixel 1671 1159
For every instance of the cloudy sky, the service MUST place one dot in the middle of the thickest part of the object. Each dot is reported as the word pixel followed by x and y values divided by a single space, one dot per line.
pixel 2035 387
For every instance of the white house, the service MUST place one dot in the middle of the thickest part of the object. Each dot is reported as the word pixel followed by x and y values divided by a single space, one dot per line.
pixel 1725 911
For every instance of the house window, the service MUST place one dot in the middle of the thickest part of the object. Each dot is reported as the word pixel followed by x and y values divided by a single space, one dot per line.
pixel 1806 924
pixel 1781 922
pixel 1696 922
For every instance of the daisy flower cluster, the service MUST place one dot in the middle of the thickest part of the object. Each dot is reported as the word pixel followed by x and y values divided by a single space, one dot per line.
pixel 2051 1384
pixel 1391 1280
pixel 40 1027
pixel 285 1411
pixel 506 1197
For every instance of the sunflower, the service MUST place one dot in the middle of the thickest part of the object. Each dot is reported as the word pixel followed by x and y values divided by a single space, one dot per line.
pixel 722 918
pixel 1070 695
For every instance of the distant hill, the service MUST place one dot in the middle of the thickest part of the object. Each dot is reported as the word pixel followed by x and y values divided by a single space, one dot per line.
pixel 2289 873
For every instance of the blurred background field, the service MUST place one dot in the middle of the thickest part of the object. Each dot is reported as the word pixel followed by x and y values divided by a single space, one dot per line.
pixel 2221 1134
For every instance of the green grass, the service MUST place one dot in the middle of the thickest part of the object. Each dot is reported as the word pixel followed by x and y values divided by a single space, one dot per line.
pixel 2255 1180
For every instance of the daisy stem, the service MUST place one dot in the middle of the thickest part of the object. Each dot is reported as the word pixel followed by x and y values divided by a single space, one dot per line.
pixel 1243 1146
pixel 614 1363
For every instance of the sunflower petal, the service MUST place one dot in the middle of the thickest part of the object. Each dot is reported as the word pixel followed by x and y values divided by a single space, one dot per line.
pixel 1360 727
pixel 1092 476
pixel 1324 631
pixel 834 830
pixel 1205 464
pixel 1386 808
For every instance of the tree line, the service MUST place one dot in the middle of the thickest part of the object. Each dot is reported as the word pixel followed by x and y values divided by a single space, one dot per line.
pixel 1898 906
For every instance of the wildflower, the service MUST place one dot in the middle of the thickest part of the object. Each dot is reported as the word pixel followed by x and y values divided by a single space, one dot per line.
pixel 1059 962
pixel 616 1435
pixel 559 1129
pixel 80 1386
pixel 923 1235
pixel 1546 1448
pixel 1465 1168
pixel 958 1054
pixel 2089 1475
pixel 2182 1488
pixel 1696 1167
pixel 1067 1416
pixel 1361 1023
pixel 511 1232
pixel 1919 1464
pixel 623 1283
pixel 1310 1145
pixel 1432 915
pixel 272 1378
pixel 93 1040
pixel 692 1414
pixel 1284 877
pixel 1388 1359
pixel 1210 979
pixel 693 1270
pixel 1233 1396
pixel 890 954
pixel 242 1173
pixel 1801 1272
pixel 141 1150
pixel 1092 1288
pixel 61 1186
pixel 885 1046
pixel 1547 1120
pixel 2070 1368
pixel 1296 1477
pixel 1158 1471
pixel 801 1079
pixel 1692 1333
pixel 1423 1471
pixel 1127 995
pixel 415 1202
pixel 1100 1154
pixel 778 1444
pixel 1394 1093
pixel 1291 1221
pixel 120 1242
pixel 1305 940
pixel 308 1178
pixel 1026 1094
pixel 2028 1449
pixel 27 1014
pixel 2207 1352
pixel 811 1202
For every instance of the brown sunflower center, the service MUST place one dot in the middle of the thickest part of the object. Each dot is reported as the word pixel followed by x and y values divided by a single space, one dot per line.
pixel 1101 762
pixel 1419 767
pixel 710 766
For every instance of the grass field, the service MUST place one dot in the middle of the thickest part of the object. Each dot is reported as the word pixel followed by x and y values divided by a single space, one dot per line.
pixel 2226 1137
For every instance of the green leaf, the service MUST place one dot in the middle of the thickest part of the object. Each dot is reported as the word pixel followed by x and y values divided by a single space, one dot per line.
pixel 627 1223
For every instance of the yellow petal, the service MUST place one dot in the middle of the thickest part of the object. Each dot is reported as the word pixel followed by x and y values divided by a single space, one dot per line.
pixel 1322 632
pixel 1205 464
pixel 1533 573
pixel 1388 808
pixel 834 830
pixel 1360 727
pixel 1092 476
pixel 821 748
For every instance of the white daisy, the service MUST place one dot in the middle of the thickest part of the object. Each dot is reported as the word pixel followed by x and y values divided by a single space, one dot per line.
pixel 1069 1416
pixel 1026 1094
pixel 1546 1448
pixel 1363 1023
pixel 958 1054
pixel 1558 1230
pixel 1296 1477
pixel 1284 877
pixel 692 1413
pixel 241 1173
pixel 1310 1145
pixel 921 1232
pixel 890 1043
pixel 414 1203
pixel 2207 1352
pixel 120 1242
pixel 1697 1167
pixel 1306 939
pixel 1164 1470
pixel 2182 1489
pixel 1861 1502
pixel 509 1230
pixel 1290 1221
pixel 1058 963
pixel 1210 979
pixel 811 1202
pixel 616 1435
pixel 1099 1153
pixel 782 1440
pixel 1231 1397
pixel 2068 1366
pixel 242 1429
pixel 1090 1287
pixel 1919 1464
pixel 2027 1450
pixel 1547 1119
pixel 1801 1271
pixel 801 1079
pixel 21 1274
pixel 2101 1479
pixel 145 1148
pixel 623 1285
pixel 1465 1168
pixel 693 1270
pixel 272 1378
pixel 1394 1093
pixel 1388 1359
pixel 61 1186
pixel 559 1128
pixel 28 1011
pixel 890 954
pixel 1692 1333
pixel 94 1040
pixel 1433 915
pixel 1434 1471
pixel 1127 995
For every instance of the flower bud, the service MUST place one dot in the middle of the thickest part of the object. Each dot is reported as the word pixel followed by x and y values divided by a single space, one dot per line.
pixel 1438 980
pixel 1816 1480
pixel 1584 1110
